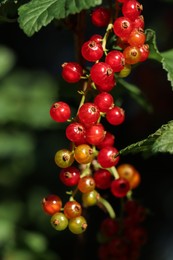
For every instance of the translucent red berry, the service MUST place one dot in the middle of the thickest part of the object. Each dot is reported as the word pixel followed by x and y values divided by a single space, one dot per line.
pixel 137 37
pixel 92 51
pixel 60 111
pixel 102 74
pixel 71 72
pixel 120 187
pixel 104 101
pixel 122 27
pixel 51 204
pixel 95 134
pixel 132 9
pixel 107 141
pixel 108 157
pixel 76 133
pixel 70 176
pixel 103 178
pixel 115 116
pixel 116 60
pixel 88 113
pixel 144 51
pixel 100 17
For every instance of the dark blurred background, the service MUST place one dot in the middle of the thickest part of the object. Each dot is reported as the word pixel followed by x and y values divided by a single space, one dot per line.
pixel 30 82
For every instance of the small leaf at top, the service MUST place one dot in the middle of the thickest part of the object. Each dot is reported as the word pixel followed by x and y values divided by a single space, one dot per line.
pixel 36 13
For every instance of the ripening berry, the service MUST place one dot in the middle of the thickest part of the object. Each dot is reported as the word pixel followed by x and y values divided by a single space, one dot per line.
pixel 72 209
pixel 90 198
pixel 51 204
pixel 125 71
pixel 77 225
pixel 137 37
pixel 100 17
pixel 132 54
pixel 71 72
pixel 64 158
pixel 59 221
pixel 144 50
pixel 86 184
pixel 60 112
pixel 83 154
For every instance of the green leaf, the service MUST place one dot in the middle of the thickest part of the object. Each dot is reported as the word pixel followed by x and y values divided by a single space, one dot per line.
pixel 135 93
pixel 160 141
pixel 36 13
pixel 165 58
pixel 167 63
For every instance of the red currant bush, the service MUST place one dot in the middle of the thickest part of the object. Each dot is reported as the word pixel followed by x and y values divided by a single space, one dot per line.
pixel 60 111
pixel 51 204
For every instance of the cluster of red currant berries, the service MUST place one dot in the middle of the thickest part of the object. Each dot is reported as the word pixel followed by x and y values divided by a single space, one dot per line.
pixel 90 163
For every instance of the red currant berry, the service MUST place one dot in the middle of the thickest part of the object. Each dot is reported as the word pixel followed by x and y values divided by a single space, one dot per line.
pixel 107 86
pixel 122 27
pixel 95 134
pixel 88 114
pixel 103 179
pixel 70 176
pixel 86 184
pixel 71 72
pixel 102 74
pixel 77 225
pixel 132 9
pixel 60 111
pixel 132 54
pixel 139 22
pixel 108 157
pixel 100 17
pixel 115 116
pixel 75 132
pixel 83 154
pixel 104 101
pixel 97 38
pixel 144 50
pixel 51 204
pixel 107 141
pixel 72 209
pixel 126 71
pixel 116 60
pixel 92 51
pixel 59 221
pixel 109 227
pixel 64 158
pixel 90 198
pixel 120 187
pixel 137 37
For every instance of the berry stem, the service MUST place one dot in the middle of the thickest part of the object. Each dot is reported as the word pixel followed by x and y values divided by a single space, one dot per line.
pixel 108 207
pixel 114 172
